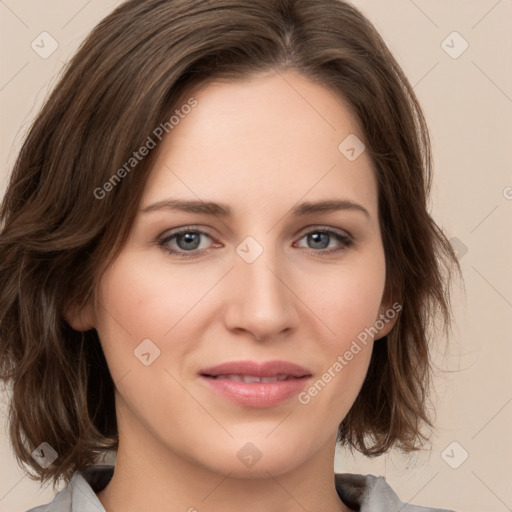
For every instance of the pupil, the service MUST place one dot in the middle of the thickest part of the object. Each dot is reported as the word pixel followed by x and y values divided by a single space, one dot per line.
pixel 189 239
pixel 315 238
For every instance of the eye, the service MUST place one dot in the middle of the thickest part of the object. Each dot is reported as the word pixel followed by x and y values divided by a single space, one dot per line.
pixel 319 238
pixel 186 242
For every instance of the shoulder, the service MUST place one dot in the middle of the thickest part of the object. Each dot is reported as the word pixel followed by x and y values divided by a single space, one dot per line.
pixel 79 494
pixel 369 493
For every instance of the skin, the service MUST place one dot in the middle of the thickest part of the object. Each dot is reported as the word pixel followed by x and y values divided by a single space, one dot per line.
pixel 260 146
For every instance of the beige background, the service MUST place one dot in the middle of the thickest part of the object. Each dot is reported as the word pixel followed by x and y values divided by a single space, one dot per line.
pixel 468 104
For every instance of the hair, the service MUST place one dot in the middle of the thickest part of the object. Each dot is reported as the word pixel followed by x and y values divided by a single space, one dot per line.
pixel 58 235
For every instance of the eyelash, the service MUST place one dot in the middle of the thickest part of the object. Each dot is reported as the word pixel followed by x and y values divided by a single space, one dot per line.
pixel 347 241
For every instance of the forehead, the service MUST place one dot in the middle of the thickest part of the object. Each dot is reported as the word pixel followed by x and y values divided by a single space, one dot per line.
pixel 271 139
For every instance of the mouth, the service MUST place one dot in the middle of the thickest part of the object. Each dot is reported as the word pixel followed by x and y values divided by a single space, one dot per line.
pixel 248 379
pixel 253 384
pixel 251 370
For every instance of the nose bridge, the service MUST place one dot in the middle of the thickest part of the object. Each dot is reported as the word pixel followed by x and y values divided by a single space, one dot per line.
pixel 261 302
pixel 258 263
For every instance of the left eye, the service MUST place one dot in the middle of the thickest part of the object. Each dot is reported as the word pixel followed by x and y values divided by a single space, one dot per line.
pixel 187 242
pixel 319 238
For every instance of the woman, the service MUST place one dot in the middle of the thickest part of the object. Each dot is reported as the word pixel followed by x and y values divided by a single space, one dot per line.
pixel 217 262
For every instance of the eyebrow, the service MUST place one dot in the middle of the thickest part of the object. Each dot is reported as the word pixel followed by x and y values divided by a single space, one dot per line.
pixel 224 210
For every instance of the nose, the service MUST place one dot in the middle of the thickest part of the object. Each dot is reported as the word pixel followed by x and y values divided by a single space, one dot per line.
pixel 260 297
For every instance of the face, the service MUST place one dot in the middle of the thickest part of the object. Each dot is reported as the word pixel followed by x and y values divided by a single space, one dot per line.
pixel 271 281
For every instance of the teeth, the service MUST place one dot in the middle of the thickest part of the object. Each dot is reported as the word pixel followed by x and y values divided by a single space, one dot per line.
pixel 274 379
pixel 251 378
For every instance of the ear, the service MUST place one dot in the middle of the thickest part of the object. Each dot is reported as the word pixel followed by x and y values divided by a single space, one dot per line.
pixel 388 316
pixel 80 318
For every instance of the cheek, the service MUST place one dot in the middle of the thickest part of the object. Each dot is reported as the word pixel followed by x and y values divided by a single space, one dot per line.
pixel 129 304
pixel 348 298
pixel 350 310
pixel 145 298
pixel 139 304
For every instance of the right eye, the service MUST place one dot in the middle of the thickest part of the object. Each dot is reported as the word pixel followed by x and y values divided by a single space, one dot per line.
pixel 185 241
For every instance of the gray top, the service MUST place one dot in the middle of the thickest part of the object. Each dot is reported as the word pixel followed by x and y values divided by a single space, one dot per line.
pixel 365 493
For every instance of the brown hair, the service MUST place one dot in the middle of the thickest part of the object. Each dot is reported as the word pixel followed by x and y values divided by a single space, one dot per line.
pixel 57 237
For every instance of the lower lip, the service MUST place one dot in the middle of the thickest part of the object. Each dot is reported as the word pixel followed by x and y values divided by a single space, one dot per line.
pixel 257 394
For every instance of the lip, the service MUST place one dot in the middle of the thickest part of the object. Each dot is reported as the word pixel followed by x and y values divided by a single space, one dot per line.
pixel 264 369
pixel 256 394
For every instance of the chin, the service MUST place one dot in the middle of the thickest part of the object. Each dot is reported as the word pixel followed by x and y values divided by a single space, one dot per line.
pixel 251 459
pixel 259 470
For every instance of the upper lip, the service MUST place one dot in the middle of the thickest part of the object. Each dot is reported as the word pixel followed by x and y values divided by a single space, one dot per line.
pixel 263 369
